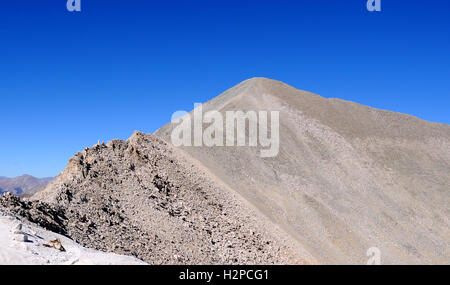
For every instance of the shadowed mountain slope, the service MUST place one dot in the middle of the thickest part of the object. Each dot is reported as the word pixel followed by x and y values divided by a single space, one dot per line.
pixel 347 177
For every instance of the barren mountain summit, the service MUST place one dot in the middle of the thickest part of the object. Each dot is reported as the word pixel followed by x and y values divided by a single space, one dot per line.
pixel 347 177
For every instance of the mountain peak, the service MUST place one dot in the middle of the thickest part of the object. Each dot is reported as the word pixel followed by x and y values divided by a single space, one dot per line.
pixel 337 160
pixel 27 176
pixel 263 84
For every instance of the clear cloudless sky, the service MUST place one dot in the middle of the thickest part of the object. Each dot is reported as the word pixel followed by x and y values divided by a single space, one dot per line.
pixel 69 79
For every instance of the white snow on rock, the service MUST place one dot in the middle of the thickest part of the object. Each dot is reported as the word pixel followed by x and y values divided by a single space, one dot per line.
pixel 22 244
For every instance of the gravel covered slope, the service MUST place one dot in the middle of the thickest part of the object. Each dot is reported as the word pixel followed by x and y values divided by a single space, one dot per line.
pixel 348 177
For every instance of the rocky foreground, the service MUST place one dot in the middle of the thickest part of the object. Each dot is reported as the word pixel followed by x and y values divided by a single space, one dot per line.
pixel 142 198
pixel 23 244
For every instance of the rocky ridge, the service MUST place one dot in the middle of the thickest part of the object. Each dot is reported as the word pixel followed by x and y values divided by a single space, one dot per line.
pixel 142 198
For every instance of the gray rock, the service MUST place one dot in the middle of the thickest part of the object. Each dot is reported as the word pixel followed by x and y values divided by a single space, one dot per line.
pixel 20 237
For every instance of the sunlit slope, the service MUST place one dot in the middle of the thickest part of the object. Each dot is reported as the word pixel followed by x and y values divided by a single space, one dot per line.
pixel 347 177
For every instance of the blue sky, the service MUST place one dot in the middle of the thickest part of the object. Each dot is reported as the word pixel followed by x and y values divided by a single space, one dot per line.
pixel 69 79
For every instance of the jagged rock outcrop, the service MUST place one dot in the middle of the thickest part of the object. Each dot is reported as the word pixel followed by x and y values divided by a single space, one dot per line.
pixel 48 216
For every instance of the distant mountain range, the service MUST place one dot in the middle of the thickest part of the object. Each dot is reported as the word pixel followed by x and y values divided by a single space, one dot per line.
pixel 23 186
